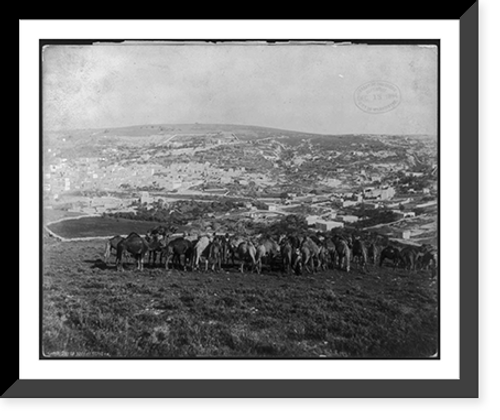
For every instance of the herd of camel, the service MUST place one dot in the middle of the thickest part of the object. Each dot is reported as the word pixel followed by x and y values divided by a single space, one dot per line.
pixel 290 253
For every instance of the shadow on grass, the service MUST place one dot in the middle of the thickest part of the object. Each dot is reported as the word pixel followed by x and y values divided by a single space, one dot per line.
pixel 111 265
pixel 100 264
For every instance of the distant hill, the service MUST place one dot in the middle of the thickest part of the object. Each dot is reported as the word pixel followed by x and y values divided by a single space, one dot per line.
pixel 243 132
pixel 196 129
pixel 81 143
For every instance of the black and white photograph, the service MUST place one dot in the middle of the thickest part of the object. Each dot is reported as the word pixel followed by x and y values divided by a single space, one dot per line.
pixel 254 199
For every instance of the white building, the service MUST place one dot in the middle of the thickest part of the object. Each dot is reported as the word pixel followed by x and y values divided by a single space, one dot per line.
pixel 380 193
pixel 371 205
pixel 348 218
pixel 325 226
pixel 144 197
pixel 349 203
pixel 414 174
pixel 270 207
pixel 173 185
pixel 312 220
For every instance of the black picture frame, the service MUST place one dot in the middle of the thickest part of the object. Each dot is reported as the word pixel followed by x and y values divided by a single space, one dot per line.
pixel 465 387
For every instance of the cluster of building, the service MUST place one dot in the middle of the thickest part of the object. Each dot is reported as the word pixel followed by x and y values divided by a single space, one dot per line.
pixel 145 173
pixel 333 209
pixel 97 174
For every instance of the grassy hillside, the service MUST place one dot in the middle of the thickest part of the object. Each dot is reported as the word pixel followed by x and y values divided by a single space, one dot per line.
pixel 91 310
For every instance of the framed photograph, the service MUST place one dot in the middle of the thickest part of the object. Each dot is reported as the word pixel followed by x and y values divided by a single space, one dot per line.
pixel 248 213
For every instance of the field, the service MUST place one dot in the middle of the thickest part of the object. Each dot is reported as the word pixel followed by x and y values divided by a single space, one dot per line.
pixel 99 226
pixel 90 310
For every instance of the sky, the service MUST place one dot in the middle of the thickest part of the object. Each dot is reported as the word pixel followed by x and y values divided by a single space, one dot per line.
pixel 310 88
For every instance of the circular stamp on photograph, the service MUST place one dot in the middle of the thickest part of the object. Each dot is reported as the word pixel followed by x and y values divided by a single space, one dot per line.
pixel 377 97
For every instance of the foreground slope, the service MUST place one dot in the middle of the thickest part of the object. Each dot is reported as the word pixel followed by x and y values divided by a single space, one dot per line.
pixel 91 310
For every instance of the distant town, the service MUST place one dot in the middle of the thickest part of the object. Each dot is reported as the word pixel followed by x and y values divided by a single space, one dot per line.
pixel 385 183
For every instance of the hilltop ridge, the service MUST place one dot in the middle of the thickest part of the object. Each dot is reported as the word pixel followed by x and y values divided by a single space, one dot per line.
pixel 205 128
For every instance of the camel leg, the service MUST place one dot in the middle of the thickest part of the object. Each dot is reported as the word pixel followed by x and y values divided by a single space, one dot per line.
pixel 305 264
